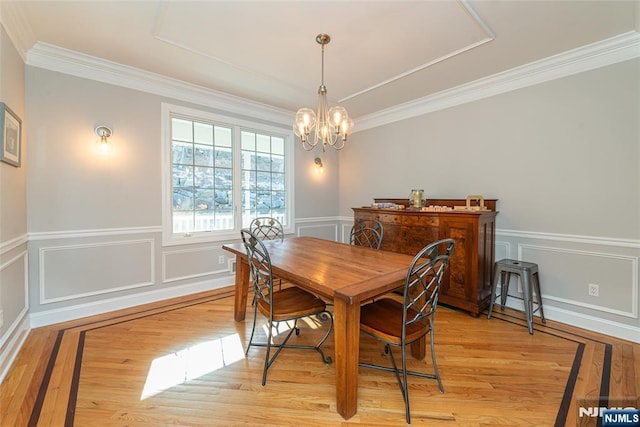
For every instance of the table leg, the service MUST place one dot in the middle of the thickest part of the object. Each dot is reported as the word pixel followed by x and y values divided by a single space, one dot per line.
pixel 241 289
pixel 419 348
pixel 346 317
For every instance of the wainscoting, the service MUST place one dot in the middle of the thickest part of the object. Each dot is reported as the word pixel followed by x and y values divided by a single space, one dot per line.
pixel 81 273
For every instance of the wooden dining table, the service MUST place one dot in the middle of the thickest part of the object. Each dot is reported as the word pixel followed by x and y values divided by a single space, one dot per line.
pixel 345 274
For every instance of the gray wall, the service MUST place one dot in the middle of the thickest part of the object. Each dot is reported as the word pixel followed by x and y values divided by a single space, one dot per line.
pixel 13 214
pixel 562 157
pixel 95 218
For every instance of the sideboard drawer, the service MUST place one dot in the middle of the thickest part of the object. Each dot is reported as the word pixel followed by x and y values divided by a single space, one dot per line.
pixel 421 220
pixel 389 218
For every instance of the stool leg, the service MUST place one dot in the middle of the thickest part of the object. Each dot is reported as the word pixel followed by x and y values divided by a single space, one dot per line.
pixel 536 279
pixel 504 291
pixel 528 298
pixel 494 285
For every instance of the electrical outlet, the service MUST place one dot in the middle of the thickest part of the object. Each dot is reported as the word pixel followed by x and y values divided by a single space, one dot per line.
pixel 594 290
pixel 221 259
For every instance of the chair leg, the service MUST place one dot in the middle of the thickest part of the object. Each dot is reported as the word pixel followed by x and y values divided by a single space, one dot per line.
pixel 435 365
pixel 267 361
pixel 326 360
pixel 253 329
pixel 405 385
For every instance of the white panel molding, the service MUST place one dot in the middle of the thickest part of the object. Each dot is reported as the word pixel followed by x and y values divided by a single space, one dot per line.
pixel 166 254
pixel 616 49
pixel 333 227
pixel 66 61
pixel 12 342
pixel 320 219
pixel 13 243
pixel 49 317
pixel 346 232
pixel 634 278
pixel 99 232
pixel 506 246
pixel 589 240
pixel 42 268
pixel 15 335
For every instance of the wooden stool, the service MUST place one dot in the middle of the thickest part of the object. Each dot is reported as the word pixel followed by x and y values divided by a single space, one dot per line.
pixel 528 274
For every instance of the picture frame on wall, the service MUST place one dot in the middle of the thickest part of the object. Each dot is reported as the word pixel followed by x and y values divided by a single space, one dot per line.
pixel 11 136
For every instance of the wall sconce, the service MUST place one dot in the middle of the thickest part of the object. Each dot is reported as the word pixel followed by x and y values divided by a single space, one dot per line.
pixel 103 132
pixel 319 165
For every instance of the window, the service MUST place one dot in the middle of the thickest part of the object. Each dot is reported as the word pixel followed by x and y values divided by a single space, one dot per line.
pixel 220 173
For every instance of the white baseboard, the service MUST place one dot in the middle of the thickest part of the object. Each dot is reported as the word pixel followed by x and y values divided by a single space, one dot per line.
pixel 65 314
pixel 584 321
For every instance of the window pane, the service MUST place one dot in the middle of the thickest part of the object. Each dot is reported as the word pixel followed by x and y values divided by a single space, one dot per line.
pixel 182 153
pixel 204 199
pixel 248 140
pixel 277 163
pixel 182 199
pixel 181 130
pixel 263 162
pixel 222 136
pixel 263 143
pixel 202 133
pixel 182 176
pixel 277 145
pixel 224 179
pixel 203 178
pixel 224 157
pixel 203 155
pixel 277 181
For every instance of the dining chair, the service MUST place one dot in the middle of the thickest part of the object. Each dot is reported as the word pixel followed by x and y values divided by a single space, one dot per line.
pixel 284 305
pixel 400 323
pixel 267 228
pixel 369 223
pixel 363 234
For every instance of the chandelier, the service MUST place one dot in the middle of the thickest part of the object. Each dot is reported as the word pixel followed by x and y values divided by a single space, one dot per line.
pixel 329 126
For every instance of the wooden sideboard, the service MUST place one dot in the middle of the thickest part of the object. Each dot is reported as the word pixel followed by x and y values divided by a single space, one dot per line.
pixel 467 281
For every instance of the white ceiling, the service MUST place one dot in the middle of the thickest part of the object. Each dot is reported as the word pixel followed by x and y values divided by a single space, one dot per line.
pixel 382 53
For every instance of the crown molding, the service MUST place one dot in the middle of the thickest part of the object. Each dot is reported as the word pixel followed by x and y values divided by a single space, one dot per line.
pixel 54 58
pixel 616 49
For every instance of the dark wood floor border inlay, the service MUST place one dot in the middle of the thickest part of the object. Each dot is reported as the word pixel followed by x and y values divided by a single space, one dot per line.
pixel 73 393
pixel 75 382
pixel 563 411
pixel 42 391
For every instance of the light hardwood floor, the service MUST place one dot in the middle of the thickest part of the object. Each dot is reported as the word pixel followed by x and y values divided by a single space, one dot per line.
pixel 181 362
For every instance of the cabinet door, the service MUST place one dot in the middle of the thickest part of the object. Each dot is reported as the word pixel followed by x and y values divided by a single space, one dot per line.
pixel 417 236
pixel 459 281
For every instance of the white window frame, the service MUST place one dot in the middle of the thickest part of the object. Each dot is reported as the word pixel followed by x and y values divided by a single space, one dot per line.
pixel 168 237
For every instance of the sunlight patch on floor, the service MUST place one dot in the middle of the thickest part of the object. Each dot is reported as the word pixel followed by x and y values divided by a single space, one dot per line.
pixel 190 363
